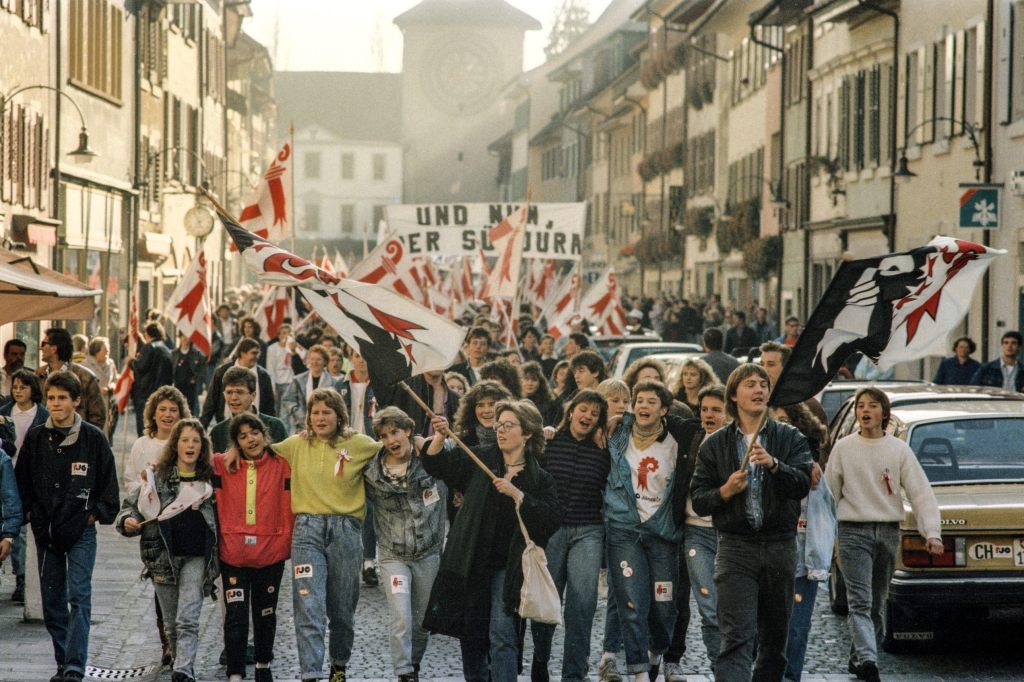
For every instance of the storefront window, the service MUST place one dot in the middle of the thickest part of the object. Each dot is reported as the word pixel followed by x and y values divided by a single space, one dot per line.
pixel 29 333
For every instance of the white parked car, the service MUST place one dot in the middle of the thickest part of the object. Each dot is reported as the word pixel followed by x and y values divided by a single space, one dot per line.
pixel 625 354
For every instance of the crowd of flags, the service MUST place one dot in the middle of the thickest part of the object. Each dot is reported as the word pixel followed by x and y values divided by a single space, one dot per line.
pixel 399 310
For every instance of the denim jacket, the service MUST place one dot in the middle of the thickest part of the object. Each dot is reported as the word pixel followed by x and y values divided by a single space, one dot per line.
pixel 409 521
pixel 816 533
pixel 10 501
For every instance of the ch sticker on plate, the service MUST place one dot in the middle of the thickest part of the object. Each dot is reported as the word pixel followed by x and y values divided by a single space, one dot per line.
pixel 985 551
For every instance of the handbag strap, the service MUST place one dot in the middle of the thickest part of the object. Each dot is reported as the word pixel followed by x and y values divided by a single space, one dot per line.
pixel 522 526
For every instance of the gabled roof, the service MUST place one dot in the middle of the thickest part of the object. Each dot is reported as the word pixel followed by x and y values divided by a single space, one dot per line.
pixel 354 106
pixel 477 12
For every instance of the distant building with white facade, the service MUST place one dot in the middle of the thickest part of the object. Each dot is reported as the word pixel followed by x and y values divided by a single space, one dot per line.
pixel 348 155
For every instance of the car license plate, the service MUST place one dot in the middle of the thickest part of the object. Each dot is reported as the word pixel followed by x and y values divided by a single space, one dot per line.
pixel 995 551
pixel 1018 552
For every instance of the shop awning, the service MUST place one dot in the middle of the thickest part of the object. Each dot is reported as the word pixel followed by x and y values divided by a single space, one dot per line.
pixel 31 292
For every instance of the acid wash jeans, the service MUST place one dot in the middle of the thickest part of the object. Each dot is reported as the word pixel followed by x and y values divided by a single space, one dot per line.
pixel 754 579
pixel 867 553
pixel 574 559
pixel 181 603
pixel 407 584
pixel 327 556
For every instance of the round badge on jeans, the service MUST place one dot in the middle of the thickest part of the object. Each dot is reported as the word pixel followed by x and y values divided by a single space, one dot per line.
pixel 628 572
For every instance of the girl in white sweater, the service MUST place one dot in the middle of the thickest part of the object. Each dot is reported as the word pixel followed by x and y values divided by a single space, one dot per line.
pixel 867 472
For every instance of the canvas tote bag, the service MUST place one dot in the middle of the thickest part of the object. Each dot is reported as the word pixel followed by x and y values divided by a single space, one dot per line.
pixel 538 598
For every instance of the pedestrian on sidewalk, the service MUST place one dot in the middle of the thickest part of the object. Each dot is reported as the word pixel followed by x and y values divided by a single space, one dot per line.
pixel 10 509
pixel 180 553
pixel 25 411
pixel 870 473
pixel 580 467
pixel 754 502
pixel 476 593
pixel 329 502
pixel 68 483
pixel 410 528
pixel 254 507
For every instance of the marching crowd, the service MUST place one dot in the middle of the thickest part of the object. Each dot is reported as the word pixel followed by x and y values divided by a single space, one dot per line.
pixel 661 492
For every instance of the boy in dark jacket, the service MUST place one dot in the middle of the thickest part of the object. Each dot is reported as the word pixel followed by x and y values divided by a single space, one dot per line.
pixel 754 503
pixel 67 481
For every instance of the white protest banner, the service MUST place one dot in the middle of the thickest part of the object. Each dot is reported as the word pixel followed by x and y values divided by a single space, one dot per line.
pixel 552 230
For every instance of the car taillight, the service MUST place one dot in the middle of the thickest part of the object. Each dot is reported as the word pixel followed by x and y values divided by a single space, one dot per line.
pixel 915 556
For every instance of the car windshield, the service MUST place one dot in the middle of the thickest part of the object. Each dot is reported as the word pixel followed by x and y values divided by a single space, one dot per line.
pixel 970 449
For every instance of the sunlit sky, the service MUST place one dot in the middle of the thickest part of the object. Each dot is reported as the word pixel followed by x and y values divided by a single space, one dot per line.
pixel 358 35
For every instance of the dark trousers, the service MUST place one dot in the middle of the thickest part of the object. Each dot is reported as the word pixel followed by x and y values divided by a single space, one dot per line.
pixel 245 590
pixel 754 580
pixel 139 407
pixel 677 648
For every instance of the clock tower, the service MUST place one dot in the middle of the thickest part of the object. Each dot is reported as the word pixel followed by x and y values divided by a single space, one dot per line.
pixel 457 56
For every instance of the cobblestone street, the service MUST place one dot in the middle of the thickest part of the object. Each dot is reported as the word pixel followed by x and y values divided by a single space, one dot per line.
pixel 124 643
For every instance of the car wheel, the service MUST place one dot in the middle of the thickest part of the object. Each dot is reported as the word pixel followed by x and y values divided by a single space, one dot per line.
pixel 837 591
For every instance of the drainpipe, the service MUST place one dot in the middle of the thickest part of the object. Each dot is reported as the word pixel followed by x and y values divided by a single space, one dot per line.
pixel 55 211
pixel 986 313
pixel 132 248
pixel 808 110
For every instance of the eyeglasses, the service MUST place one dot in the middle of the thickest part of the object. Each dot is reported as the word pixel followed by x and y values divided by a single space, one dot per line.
pixel 505 426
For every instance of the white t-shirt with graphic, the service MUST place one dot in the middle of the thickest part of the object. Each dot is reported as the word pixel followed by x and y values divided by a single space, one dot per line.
pixel 650 471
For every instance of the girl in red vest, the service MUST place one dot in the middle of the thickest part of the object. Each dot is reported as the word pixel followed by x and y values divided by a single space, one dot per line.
pixel 255 512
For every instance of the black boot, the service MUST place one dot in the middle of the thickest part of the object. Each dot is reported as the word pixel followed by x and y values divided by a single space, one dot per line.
pixel 539 671
pixel 18 596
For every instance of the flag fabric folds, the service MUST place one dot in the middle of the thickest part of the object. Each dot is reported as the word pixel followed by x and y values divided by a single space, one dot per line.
pixel 189 306
pixel 276 305
pixel 390 265
pixel 564 305
pixel 602 305
pixel 269 211
pixel 507 237
pixel 892 308
pixel 123 387
pixel 397 337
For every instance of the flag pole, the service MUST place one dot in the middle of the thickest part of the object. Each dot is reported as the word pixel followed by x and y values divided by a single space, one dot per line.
pixel 760 425
pixel 291 141
pixel 450 433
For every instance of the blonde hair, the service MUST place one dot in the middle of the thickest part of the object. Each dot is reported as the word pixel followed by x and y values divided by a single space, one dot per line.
pixel 611 388
pixel 333 400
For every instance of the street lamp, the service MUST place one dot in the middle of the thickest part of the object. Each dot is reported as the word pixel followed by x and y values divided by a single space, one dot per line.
pixel 83 152
pixel 903 170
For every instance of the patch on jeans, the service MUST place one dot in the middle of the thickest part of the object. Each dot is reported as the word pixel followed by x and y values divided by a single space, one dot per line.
pixel 798 597
pixel 692 552
pixel 704 590
pixel 663 590
pixel 628 572
pixel 270 589
pixel 431 496
pixel 623 564
pixel 303 591
pixel 269 611
pixel 303 570
pixel 234 595
pixel 79 468
pixel 250 539
pixel 399 584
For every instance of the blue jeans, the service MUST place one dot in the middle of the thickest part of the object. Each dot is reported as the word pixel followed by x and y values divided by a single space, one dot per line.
pixel 612 627
pixel 66 584
pixel 867 553
pixel 407 586
pixel 643 572
pixel 574 560
pixel 326 563
pixel 805 592
pixel 181 604
pixel 503 633
pixel 700 546
pixel 754 579
pixel 369 535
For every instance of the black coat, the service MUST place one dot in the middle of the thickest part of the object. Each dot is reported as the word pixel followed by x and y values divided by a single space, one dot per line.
pixel 718 458
pixel 460 600
pixel 189 372
pixel 402 400
pixel 213 406
pixel 63 480
pixel 153 368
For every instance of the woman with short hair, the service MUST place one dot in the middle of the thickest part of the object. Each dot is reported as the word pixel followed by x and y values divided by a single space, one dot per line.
pixel 476 593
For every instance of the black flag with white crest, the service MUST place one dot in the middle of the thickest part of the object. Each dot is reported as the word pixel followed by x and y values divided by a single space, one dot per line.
pixel 891 308
pixel 404 341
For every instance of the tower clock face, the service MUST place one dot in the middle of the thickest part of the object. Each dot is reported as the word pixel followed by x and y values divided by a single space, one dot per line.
pixel 460 75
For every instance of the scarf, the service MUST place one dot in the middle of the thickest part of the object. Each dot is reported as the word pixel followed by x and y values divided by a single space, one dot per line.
pixel 485 437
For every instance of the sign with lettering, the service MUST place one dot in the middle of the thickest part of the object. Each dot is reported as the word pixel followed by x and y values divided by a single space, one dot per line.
pixel 552 230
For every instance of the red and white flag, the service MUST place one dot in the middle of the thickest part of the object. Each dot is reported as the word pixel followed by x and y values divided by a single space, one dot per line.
pixel 123 387
pixel 276 306
pixel 485 274
pixel 189 306
pixel 389 265
pixel 541 284
pixel 340 266
pixel 326 264
pixel 602 305
pixel 564 305
pixel 269 212
pixel 397 337
pixel 507 237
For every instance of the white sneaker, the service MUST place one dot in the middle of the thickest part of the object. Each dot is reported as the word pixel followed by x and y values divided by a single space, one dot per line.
pixel 608 671
pixel 674 673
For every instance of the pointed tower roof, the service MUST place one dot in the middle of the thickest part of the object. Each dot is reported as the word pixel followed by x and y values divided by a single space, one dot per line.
pixel 473 12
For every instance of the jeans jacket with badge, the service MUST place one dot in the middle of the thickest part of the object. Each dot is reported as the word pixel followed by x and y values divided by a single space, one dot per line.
pixel 816 533
pixel 65 479
pixel 409 520
pixel 155 546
